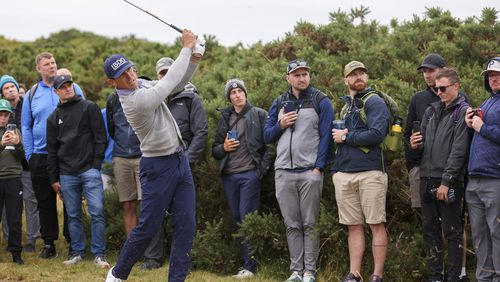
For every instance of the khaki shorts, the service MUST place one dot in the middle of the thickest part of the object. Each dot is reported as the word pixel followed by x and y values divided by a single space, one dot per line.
pixel 361 196
pixel 128 184
pixel 414 177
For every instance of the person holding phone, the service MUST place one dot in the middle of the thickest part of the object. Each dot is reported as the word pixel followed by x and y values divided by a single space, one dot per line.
pixel 302 113
pixel 10 181
pixel 483 193
pixel 244 160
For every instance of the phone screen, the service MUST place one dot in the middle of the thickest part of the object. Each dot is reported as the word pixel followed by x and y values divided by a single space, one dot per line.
pixel 232 134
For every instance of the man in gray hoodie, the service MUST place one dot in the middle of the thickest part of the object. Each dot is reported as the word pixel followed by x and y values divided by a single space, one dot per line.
pixel 166 180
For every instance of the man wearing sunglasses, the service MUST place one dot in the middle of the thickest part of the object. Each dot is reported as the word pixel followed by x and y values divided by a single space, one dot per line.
pixel 300 122
pixel 443 144
pixel 483 193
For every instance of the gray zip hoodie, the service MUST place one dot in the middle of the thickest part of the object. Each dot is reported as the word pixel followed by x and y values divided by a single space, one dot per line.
pixel 147 112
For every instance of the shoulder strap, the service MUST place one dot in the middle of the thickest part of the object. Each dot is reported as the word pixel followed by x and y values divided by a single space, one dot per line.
pixel 365 98
pixel 458 109
pixel 32 94
pixel 317 96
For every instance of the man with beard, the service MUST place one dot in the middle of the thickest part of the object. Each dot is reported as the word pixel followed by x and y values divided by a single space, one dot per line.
pixel 358 171
pixel 301 113
pixel 419 102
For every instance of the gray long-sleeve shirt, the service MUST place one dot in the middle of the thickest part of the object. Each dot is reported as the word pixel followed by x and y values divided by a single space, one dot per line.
pixel 147 112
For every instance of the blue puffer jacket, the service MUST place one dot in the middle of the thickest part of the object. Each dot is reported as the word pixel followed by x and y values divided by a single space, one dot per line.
pixel 484 159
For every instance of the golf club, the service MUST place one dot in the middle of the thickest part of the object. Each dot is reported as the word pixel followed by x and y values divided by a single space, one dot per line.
pixel 154 16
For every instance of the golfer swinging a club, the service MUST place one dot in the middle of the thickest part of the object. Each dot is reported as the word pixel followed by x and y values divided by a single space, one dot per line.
pixel 166 180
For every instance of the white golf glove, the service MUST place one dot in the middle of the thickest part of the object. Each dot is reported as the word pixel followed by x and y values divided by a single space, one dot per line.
pixel 199 47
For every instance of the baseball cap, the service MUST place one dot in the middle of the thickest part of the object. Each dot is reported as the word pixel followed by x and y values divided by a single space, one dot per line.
pixel 115 65
pixel 352 66
pixel 59 80
pixel 433 61
pixel 297 64
pixel 493 65
pixel 5 106
pixel 163 64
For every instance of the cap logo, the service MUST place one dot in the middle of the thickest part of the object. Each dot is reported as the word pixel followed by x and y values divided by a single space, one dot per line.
pixel 235 85
pixel 118 63
pixel 492 62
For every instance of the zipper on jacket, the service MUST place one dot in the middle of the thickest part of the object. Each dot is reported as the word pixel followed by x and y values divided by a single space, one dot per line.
pixel 290 150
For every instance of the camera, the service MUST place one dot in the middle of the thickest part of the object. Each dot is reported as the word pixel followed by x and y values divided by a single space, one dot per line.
pixel 430 195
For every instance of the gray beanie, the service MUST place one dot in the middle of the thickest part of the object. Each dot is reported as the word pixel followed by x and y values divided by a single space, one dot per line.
pixel 234 83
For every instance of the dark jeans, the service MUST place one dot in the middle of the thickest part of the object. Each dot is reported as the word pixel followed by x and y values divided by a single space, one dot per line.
pixel 46 199
pixel 167 185
pixel 12 197
pixel 438 219
pixel 243 197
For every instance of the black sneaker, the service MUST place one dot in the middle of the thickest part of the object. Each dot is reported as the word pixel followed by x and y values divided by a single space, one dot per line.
pixel 48 251
pixel 464 279
pixel 150 264
pixel 17 259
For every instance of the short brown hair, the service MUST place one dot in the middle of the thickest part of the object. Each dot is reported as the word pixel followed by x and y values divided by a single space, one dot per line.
pixel 43 55
pixel 449 73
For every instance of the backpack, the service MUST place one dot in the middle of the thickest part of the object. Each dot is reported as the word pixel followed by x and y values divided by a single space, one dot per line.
pixel 394 118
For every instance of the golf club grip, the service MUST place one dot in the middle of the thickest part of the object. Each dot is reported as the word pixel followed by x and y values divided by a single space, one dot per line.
pixel 176 28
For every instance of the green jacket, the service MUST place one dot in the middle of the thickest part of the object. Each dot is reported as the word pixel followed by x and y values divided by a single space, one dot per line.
pixel 10 160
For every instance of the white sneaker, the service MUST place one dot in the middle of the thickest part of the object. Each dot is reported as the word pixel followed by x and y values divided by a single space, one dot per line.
pixel 111 278
pixel 73 260
pixel 308 277
pixel 295 277
pixel 243 274
pixel 101 262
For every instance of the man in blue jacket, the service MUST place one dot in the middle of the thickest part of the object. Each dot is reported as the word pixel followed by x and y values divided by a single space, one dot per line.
pixel 358 171
pixel 483 190
pixel 36 108
pixel 300 122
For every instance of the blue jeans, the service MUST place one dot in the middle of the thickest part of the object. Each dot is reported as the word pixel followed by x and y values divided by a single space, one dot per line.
pixel 88 183
pixel 243 197
pixel 167 186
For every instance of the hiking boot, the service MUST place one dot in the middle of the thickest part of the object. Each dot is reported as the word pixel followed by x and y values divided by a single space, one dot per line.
pixel 101 262
pixel 375 278
pixel 16 258
pixel 150 264
pixel 295 277
pixel 350 277
pixel 243 274
pixel 74 259
pixel 111 278
pixel 308 277
pixel 48 251
pixel 29 248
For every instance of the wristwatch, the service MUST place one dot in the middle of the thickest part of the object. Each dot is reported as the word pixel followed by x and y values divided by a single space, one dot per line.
pixel 343 137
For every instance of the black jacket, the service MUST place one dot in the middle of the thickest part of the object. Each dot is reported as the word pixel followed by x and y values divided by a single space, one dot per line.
pixel 255 118
pixel 76 138
pixel 188 112
pixel 446 142
pixel 419 102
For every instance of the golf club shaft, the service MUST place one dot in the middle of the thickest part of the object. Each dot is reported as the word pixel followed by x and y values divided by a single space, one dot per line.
pixel 154 16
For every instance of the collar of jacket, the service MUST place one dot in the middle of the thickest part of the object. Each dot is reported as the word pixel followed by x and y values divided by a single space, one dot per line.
pixel 302 93
pixel 439 106
pixel 75 99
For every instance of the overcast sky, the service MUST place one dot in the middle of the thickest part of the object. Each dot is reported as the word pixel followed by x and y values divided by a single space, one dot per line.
pixel 231 21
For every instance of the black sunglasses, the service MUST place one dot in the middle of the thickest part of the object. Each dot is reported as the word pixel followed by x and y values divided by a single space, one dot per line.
pixel 441 88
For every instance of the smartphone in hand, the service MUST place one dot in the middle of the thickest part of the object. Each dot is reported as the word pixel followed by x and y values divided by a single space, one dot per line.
pixel 290 107
pixel 232 134
pixel 416 126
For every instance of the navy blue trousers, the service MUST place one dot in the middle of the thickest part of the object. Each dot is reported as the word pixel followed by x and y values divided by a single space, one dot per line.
pixel 167 186
pixel 243 197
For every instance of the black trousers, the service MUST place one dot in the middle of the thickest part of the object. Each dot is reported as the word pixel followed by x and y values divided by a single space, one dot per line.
pixel 46 198
pixel 11 197
pixel 440 218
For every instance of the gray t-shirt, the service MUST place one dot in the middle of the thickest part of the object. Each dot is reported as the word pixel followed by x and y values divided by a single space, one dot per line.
pixel 239 160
